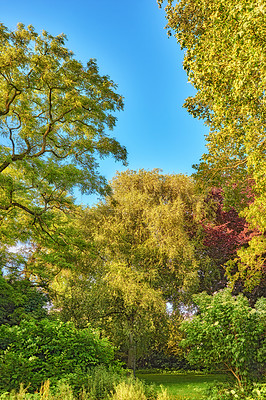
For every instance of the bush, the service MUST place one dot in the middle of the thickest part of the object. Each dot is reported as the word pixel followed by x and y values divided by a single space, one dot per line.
pixel 226 392
pixel 41 350
pixel 102 380
pixel 114 381
pixel 129 391
pixel 227 333
pixel 135 389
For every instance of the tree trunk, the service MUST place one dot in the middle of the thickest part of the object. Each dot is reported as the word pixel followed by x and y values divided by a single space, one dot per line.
pixel 131 361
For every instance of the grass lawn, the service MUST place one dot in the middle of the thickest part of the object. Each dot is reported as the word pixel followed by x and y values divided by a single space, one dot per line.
pixel 184 386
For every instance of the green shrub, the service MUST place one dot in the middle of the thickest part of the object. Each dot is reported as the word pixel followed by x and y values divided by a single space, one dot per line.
pixel 101 381
pixel 41 350
pixel 226 392
pixel 227 333
pixel 20 300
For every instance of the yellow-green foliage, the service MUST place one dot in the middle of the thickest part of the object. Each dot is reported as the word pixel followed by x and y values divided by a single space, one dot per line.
pixel 225 60
pixel 128 391
pixel 53 115
pixel 63 392
pixel 131 390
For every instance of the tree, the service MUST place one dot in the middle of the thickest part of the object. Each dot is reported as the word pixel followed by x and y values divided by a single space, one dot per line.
pixel 225 62
pixel 142 254
pixel 20 299
pixel 54 113
pixel 225 233
pixel 151 223
pixel 227 333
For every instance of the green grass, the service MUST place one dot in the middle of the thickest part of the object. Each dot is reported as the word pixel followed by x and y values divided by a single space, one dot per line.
pixel 188 386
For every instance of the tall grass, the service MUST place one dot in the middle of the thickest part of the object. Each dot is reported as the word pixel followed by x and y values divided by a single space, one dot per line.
pixel 126 390
pixel 62 392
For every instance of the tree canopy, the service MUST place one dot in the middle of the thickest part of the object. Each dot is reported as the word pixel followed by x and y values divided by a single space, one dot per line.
pixel 225 62
pixel 54 117
pixel 141 254
pixel 224 58
pixel 150 222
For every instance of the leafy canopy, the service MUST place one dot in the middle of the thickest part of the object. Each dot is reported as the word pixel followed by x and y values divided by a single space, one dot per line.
pixel 141 254
pixel 150 224
pixel 225 62
pixel 54 113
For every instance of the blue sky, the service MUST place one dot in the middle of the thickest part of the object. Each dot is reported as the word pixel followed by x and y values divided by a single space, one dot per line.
pixel 130 44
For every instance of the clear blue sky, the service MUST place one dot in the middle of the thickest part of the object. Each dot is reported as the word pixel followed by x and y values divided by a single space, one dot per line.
pixel 130 44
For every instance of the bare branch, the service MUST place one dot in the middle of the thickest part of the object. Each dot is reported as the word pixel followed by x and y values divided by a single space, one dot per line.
pixel 15 157
pixel 87 109
pixel 16 204
pixel 57 155
pixel 59 119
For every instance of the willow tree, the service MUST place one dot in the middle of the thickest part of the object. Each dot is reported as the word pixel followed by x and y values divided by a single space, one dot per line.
pixel 150 222
pixel 55 114
pixel 224 58
pixel 142 254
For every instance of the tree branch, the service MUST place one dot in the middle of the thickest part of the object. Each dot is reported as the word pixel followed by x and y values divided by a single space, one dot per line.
pixel 9 102
pixel 235 375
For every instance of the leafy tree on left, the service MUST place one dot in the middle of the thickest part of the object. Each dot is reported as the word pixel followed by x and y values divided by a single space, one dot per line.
pixel 20 299
pixel 54 113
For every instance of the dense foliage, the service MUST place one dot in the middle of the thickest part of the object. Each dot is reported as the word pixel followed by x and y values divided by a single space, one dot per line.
pixel 55 115
pixel 144 238
pixel 225 62
pixel 20 299
pixel 227 333
pixel 156 250
pixel 38 350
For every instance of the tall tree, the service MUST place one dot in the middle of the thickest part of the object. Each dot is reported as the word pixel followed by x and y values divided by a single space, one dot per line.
pixel 150 223
pixel 143 255
pixel 54 113
pixel 225 62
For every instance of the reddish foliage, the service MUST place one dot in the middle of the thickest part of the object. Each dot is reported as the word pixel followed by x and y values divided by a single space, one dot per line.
pixel 227 232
